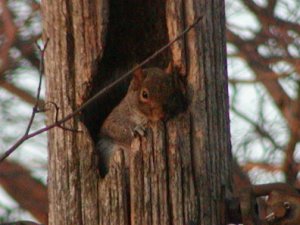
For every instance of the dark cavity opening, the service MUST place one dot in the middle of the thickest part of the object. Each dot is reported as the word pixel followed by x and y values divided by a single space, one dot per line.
pixel 136 29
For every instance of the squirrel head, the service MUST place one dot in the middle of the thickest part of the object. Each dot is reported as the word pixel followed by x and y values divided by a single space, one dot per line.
pixel 158 95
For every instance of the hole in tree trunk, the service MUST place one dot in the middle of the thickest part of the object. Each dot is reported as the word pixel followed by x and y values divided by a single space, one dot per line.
pixel 136 29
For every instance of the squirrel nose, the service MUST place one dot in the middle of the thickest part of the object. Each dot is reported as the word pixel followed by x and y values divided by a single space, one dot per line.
pixel 161 115
pixel 157 114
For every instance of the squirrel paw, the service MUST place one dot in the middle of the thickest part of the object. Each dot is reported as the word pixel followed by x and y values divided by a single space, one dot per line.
pixel 271 217
pixel 139 130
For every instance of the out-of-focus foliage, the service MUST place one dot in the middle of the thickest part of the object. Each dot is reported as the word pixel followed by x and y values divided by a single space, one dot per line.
pixel 264 49
pixel 20 29
pixel 11 212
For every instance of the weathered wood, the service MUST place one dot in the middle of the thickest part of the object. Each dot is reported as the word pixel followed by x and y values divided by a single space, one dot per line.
pixel 207 88
pixel 113 197
pixel 76 31
pixel 148 179
pixel 178 173
pixel 183 201
pixel 175 24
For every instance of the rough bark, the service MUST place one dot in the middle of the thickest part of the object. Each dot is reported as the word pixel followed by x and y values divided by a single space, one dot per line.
pixel 76 31
pixel 207 82
pixel 178 173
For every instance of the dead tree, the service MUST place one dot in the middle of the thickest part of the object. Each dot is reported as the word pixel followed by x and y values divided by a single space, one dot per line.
pixel 179 172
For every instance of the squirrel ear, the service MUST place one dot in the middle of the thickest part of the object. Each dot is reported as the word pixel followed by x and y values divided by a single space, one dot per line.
pixel 169 69
pixel 138 77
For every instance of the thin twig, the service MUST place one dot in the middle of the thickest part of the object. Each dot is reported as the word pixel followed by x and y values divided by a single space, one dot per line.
pixel 260 130
pixel 42 68
pixel 98 94
pixel 56 118
pixel 37 101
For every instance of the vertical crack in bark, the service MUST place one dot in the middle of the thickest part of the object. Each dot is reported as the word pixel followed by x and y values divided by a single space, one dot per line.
pixel 185 48
pixel 71 94
pixel 166 141
pixel 71 50
pixel 194 175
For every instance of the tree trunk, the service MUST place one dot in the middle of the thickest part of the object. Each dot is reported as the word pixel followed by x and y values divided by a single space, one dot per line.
pixel 178 173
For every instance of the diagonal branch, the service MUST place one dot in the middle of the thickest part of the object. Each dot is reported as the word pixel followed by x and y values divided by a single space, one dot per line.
pixel 24 95
pixel 263 72
pixel 36 106
pixel 260 130
pixel 27 191
pixel 271 5
pixel 267 17
pixel 252 6
pixel 103 91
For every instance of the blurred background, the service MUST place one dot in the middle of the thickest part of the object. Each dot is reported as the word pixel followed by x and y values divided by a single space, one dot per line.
pixel 264 74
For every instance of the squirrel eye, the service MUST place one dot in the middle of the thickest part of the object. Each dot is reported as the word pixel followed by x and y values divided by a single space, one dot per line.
pixel 145 94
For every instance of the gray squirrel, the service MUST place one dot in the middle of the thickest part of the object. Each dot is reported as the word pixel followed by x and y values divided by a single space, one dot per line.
pixel 153 95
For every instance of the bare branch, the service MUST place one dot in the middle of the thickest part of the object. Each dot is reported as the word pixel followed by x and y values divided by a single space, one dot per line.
pixel 258 80
pixel 35 108
pixel 27 191
pixel 24 95
pixel 267 17
pixel 57 119
pixel 260 130
pixel 272 5
pixel 258 165
pixel 252 6
pixel 262 70
pixel 96 96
